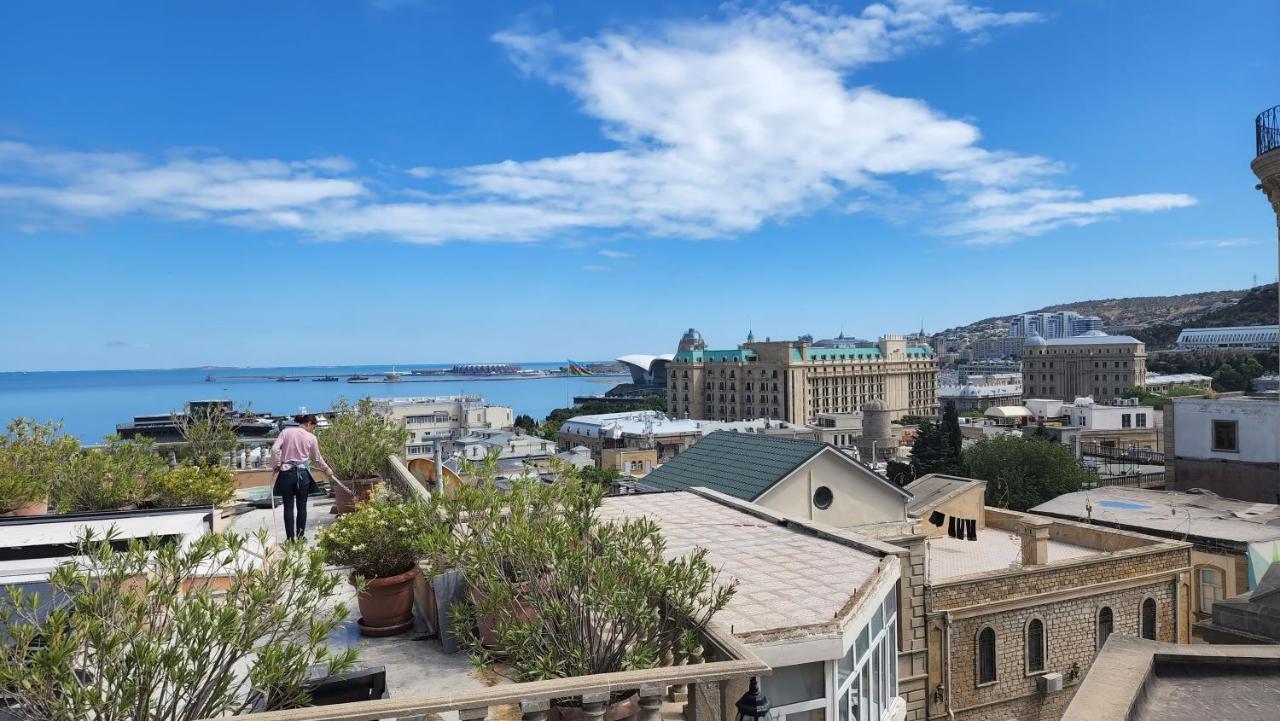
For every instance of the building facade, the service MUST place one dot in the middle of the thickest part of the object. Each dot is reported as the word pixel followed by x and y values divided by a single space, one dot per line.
pixel 1254 336
pixel 1059 324
pixel 794 381
pixel 434 419
pixel 1229 445
pixel 1099 366
pixel 651 430
pixel 974 397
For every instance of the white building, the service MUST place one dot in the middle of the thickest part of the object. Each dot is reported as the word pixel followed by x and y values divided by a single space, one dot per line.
pixel 1059 324
pixel 478 444
pixel 1229 445
pixel 973 397
pixel 1250 336
pixel 442 418
pixel 1087 414
pixel 654 429
pixel 1158 383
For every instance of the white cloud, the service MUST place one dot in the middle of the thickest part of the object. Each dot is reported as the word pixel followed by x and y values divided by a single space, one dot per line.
pixel 615 253
pixel 1217 244
pixel 718 128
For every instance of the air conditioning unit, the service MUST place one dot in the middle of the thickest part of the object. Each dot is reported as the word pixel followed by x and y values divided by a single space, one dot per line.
pixel 1049 682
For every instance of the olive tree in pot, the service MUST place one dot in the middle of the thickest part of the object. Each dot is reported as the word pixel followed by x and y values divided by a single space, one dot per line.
pixel 356 445
pixel 32 457
pixel 381 542
pixel 570 594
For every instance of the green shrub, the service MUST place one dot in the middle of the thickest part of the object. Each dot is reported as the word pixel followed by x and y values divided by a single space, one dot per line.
pixel 114 476
pixel 139 637
pixel 567 593
pixel 383 537
pixel 32 457
pixel 359 439
pixel 193 486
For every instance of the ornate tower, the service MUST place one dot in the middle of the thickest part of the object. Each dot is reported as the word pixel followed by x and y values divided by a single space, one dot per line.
pixel 1266 165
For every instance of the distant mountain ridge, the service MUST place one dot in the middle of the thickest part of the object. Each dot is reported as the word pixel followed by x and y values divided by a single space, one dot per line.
pixel 1156 320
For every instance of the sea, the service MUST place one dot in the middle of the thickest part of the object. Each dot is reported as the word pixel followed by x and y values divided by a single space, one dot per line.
pixel 89 404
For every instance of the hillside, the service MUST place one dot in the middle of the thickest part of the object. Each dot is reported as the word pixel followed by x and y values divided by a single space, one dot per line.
pixel 1256 307
pixel 1154 318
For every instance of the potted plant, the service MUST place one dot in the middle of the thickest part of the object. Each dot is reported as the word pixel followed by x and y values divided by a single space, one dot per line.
pixel 112 477
pixel 568 594
pixel 356 444
pixel 381 542
pixel 32 457
pixel 193 486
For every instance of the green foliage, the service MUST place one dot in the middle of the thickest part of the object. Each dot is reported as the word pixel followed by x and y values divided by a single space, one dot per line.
pixel 526 422
pixel 602 476
pixel 932 451
pixel 209 433
pixel 900 473
pixel 1024 472
pixel 383 537
pixel 359 439
pixel 955 440
pixel 567 593
pixel 32 457
pixel 193 486
pixel 107 478
pixel 139 635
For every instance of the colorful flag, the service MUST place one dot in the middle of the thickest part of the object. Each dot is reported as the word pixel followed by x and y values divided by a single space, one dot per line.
pixel 579 369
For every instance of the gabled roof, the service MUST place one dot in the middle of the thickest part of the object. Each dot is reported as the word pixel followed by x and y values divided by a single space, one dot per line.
pixel 934 489
pixel 742 465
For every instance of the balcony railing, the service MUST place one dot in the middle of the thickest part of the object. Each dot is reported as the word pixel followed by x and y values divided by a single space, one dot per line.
pixel 1267 127
pixel 725 660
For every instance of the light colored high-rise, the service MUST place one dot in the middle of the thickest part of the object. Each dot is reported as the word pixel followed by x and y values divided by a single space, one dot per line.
pixel 795 381
pixel 1058 324
pixel 1095 364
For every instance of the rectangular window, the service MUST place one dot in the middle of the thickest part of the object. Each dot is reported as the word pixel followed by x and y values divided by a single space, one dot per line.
pixel 1224 436
pixel 1126 420
pixel 1140 420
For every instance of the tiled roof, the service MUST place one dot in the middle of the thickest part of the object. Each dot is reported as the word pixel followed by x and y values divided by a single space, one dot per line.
pixel 742 465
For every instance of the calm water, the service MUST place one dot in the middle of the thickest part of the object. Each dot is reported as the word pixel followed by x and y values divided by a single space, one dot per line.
pixel 91 403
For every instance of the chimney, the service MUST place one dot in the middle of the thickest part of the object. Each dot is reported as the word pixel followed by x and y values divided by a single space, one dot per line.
pixel 1035 540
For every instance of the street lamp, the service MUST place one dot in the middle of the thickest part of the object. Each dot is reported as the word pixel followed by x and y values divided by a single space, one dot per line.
pixel 753 706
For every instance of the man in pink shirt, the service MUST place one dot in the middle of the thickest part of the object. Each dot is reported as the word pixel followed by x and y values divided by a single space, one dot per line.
pixel 292 455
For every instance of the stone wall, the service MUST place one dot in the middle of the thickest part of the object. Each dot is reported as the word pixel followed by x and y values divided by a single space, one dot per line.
pixel 1027 581
pixel 1071 630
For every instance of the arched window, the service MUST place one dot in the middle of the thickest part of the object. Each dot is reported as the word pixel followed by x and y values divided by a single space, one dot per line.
pixel 1149 619
pixel 1035 646
pixel 1106 623
pixel 986 656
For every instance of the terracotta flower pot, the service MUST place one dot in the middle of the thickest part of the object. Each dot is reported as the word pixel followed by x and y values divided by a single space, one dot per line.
pixel 37 508
pixel 624 709
pixel 487 624
pixel 386 604
pixel 349 493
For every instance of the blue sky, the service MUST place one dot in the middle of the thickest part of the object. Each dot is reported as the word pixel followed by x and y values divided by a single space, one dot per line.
pixel 252 183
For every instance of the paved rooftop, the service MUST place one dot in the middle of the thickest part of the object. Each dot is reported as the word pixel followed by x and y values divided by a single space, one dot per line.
pixel 1137 680
pixel 787 579
pixel 994 550
pixel 1170 513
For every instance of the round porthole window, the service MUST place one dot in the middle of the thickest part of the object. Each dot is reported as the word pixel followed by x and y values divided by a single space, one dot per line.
pixel 822 497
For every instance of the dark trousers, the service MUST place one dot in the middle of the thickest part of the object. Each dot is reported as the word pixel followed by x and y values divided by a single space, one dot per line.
pixel 294 527
pixel 293 486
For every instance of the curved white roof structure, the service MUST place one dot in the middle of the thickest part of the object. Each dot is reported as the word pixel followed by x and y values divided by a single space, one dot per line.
pixel 644 360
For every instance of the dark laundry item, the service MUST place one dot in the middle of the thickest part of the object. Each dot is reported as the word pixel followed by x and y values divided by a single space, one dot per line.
pixel 952 529
pixel 936 518
pixel 971 528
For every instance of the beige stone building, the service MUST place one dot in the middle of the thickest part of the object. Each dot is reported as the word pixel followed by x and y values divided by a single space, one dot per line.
pixel 795 381
pixel 1094 364
pixel 439 419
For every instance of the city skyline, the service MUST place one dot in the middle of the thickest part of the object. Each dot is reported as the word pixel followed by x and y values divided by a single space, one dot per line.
pixel 246 185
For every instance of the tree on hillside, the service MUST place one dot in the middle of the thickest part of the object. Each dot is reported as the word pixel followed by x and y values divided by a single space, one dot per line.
pixel 932 450
pixel 1024 472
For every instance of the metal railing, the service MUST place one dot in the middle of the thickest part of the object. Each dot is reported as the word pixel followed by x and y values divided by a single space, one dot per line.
pixel 1267 127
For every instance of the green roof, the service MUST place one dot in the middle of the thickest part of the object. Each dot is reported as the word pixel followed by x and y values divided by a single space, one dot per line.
pixel 742 465
pixel 714 356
